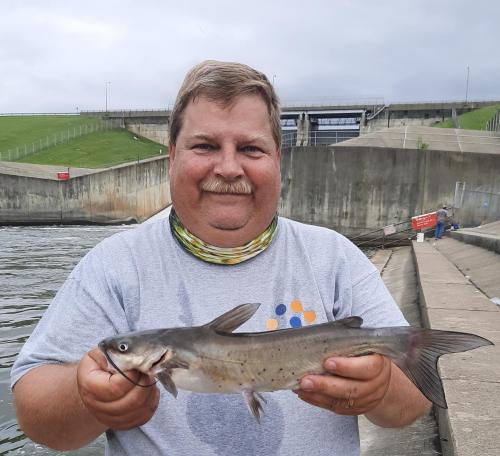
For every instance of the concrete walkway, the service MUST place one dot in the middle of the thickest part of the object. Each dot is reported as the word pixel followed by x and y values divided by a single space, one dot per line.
pixel 41 171
pixel 486 236
pixel 450 301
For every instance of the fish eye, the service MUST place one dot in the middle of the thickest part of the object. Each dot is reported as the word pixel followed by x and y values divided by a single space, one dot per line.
pixel 123 347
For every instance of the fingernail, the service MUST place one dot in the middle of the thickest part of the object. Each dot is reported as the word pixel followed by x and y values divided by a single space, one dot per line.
pixel 331 365
pixel 306 384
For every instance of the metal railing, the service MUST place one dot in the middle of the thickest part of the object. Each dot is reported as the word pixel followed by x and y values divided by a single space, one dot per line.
pixel 317 138
pixel 390 235
pixel 55 139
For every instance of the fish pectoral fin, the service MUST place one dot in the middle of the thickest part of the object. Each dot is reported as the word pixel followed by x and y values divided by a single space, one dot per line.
pixel 166 380
pixel 253 403
pixel 234 318
pixel 176 364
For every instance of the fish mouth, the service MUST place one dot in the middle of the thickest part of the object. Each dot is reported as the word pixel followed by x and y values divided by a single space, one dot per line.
pixel 106 354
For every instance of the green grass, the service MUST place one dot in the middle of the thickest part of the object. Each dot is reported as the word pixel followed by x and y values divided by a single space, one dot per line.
pixel 98 150
pixel 15 131
pixel 473 120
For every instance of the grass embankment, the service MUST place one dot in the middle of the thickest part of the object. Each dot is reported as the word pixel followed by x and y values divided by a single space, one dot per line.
pixel 15 131
pixel 95 150
pixel 473 120
pixel 98 150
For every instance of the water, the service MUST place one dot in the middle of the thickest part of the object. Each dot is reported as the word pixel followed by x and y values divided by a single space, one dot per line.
pixel 34 262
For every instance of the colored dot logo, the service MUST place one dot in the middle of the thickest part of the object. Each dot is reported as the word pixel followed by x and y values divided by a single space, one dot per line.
pixel 280 309
pixel 300 318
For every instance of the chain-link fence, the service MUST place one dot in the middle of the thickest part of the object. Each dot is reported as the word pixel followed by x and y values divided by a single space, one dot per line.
pixel 475 207
pixel 61 137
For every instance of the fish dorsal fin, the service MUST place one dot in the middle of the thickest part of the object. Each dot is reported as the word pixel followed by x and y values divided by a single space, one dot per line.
pixel 351 322
pixel 234 318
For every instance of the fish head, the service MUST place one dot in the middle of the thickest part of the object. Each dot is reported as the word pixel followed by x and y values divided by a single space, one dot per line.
pixel 141 351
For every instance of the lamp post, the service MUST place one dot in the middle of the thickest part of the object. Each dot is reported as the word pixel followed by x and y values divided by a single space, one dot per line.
pixel 274 79
pixel 467 86
pixel 107 83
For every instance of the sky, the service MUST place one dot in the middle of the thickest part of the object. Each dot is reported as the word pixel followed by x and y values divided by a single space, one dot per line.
pixel 69 55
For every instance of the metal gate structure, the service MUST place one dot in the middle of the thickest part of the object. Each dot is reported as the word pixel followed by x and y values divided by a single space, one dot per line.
pixel 475 207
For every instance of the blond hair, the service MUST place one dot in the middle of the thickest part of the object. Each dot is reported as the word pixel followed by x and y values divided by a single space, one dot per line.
pixel 223 82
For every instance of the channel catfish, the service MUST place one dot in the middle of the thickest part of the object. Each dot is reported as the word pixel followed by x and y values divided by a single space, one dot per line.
pixel 213 359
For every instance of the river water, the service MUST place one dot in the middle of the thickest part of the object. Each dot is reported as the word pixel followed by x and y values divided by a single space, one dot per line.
pixel 34 262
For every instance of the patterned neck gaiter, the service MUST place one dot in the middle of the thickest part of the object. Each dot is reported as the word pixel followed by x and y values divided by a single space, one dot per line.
pixel 220 255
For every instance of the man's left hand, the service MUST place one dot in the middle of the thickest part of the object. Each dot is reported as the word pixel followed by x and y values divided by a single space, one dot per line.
pixel 356 385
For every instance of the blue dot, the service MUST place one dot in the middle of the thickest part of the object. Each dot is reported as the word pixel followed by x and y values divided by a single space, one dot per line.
pixel 280 309
pixel 295 322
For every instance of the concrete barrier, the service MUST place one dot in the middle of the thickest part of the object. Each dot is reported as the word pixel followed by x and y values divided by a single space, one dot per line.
pixel 125 193
pixel 355 189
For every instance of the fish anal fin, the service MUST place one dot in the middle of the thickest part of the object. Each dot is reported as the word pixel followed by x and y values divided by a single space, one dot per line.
pixel 166 380
pixel 234 318
pixel 253 403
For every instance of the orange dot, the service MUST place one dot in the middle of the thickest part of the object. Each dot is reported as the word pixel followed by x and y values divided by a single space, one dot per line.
pixel 272 324
pixel 309 316
pixel 296 306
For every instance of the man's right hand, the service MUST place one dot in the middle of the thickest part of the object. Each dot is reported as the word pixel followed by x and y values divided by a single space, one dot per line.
pixel 112 399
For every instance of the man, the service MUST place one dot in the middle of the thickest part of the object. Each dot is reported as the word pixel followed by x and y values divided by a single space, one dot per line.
pixel 222 246
pixel 442 217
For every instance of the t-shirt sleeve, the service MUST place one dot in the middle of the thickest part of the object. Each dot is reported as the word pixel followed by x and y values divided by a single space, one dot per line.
pixel 362 292
pixel 87 308
pixel 372 301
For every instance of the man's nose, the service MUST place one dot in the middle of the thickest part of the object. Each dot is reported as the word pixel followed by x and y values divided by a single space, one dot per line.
pixel 228 164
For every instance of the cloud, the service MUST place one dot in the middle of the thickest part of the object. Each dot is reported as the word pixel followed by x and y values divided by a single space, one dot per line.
pixel 57 55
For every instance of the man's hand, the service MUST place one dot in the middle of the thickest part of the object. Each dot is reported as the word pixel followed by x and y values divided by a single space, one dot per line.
pixel 370 385
pixel 111 398
pixel 357 385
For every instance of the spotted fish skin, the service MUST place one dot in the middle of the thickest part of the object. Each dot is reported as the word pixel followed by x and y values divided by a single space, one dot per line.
pixel 213 359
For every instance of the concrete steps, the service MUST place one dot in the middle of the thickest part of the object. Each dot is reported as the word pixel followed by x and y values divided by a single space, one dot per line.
pixel 450 301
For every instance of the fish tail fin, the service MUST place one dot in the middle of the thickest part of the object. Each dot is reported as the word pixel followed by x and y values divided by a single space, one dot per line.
pixel 419 361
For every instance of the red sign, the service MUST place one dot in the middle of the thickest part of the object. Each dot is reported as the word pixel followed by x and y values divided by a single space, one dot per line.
pixel 421 222
pixel 63 176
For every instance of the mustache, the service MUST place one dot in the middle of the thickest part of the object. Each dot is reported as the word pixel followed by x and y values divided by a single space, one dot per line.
pixel 220 186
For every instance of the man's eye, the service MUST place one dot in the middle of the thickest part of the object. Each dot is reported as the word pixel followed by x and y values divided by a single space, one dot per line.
pixel 203 146
pixel 250 150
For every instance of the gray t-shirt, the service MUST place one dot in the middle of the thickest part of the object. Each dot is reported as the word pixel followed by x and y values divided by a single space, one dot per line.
pixel 143 279
pixel 441 215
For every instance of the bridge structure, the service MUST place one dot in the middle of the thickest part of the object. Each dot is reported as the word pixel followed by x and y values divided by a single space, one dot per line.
pixel 315 124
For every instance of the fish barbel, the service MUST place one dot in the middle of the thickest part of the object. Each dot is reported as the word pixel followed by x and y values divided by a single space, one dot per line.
pixel 213 359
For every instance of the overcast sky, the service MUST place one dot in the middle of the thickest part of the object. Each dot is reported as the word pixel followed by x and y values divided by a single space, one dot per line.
pixel 57 56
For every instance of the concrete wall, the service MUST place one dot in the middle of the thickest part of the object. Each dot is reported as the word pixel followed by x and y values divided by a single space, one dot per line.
pixel 357 189
pixel 153 128
pixel 125 193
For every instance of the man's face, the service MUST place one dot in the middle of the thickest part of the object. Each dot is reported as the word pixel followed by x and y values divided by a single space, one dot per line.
pixel 225 170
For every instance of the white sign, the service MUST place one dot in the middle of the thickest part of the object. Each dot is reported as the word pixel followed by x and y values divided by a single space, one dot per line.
pixel 389 229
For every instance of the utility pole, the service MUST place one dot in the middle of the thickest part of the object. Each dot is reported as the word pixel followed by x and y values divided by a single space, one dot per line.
pixel 107 83
pixel 467 86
